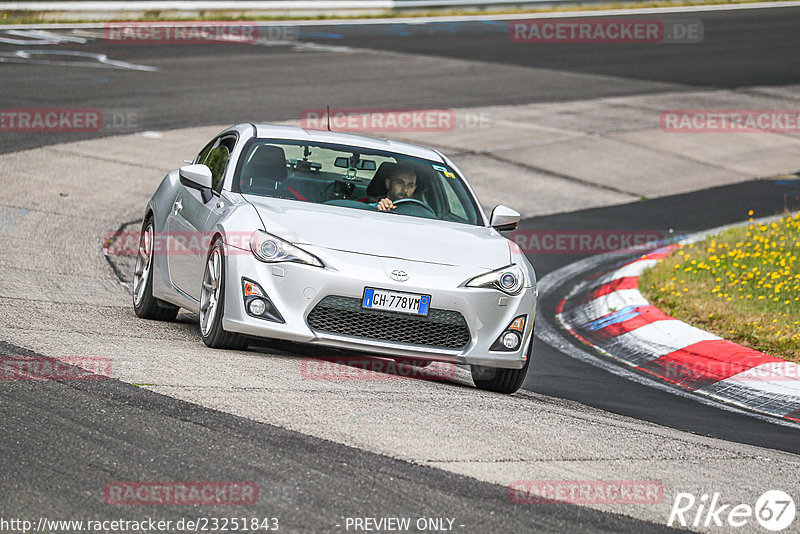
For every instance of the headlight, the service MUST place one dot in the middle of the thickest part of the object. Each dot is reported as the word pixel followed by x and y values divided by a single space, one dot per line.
pixel 509 280
pixel 272 249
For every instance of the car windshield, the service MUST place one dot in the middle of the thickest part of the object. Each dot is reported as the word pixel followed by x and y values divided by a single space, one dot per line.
pixel 356 178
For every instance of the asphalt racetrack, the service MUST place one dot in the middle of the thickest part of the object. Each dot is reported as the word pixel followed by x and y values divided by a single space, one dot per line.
pixel 323 453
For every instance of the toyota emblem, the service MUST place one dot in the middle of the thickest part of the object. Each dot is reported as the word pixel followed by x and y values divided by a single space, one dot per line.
pixel 399 275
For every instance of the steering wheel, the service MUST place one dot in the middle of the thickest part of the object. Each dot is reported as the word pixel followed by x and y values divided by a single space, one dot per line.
pixel 338 189
pixel 414 201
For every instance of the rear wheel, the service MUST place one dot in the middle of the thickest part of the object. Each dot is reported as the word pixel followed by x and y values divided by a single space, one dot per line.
pixel 501 380
pixel 212 303
pixel 145 304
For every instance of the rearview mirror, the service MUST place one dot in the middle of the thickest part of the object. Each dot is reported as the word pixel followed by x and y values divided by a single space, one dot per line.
pixel 196 176
pixel 504 218
pixel 361 165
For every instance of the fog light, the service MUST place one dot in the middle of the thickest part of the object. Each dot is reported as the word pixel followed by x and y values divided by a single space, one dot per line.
pixel 511 340
pixel 257 306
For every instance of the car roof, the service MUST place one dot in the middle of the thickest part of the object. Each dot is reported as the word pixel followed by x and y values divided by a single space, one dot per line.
pixel 277 131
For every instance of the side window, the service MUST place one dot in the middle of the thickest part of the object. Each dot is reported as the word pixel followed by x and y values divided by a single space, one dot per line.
pixel 216 156
pixel 217 161
pixel 203 153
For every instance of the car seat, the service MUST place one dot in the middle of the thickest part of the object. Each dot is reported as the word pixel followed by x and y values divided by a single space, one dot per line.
pixel 265 171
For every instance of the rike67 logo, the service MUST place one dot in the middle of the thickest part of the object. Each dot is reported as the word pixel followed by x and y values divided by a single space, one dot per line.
pixel 774 510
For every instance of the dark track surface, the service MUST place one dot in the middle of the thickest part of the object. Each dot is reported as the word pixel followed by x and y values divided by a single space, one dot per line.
pixel 71 437
pixel 739 50
pixel 74 435
pixel 221 84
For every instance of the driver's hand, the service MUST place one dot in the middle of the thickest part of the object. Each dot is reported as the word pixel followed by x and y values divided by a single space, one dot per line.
pixel 385 204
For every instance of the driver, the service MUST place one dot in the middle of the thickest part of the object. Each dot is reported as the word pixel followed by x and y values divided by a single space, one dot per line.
pixel 401 183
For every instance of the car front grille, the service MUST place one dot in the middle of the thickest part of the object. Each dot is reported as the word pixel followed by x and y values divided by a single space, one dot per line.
pixel 444 329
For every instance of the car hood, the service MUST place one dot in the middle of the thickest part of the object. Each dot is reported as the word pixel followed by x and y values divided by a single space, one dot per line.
pixel 383 234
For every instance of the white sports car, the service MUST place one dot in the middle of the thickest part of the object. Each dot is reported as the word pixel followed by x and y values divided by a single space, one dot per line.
pixel 340 240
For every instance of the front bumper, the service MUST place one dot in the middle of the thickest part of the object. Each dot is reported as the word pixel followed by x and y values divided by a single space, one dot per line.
pixel 295 290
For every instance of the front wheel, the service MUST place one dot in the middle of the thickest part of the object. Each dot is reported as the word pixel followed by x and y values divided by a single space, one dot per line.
pixel 212 303
pixel 501 380
pixel 145 304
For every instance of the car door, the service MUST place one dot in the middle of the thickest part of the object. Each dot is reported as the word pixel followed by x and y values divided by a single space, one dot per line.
pixel 186 224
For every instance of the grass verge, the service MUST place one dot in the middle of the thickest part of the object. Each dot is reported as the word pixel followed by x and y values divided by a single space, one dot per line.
pixel 742 285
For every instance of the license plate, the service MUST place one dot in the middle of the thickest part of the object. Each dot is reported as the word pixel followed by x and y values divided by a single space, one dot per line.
pixel 381 299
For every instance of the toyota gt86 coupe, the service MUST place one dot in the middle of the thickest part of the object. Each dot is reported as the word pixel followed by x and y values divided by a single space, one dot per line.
pixel 340 240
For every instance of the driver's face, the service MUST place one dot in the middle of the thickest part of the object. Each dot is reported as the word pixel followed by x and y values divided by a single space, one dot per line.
pixel 402 186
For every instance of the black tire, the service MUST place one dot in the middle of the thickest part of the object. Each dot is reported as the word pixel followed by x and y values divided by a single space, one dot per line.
pixel 217 337
pixel 501 380
pixel 149 307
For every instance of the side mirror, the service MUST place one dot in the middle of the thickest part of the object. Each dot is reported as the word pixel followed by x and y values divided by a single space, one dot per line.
pixel 196 176
pixel 504 218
